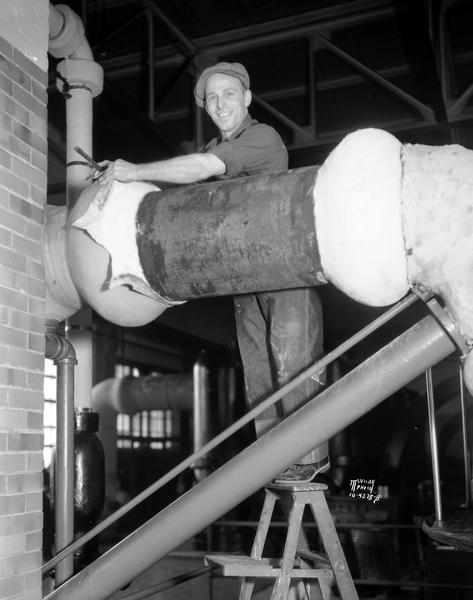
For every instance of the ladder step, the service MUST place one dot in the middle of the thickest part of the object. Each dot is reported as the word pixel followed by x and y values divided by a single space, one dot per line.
pixel 245 566
pixel 298 561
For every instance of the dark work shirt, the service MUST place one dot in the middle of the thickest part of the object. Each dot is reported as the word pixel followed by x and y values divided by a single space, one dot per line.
pixel 253 149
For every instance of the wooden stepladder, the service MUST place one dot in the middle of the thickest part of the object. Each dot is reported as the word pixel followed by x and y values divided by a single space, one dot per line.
pixel 296 564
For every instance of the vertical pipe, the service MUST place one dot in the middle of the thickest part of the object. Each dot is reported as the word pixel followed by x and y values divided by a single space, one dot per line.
pixel 359 391
pixel 64 485
pixel 466 445
pixel 201 415
pixel 61 351
pixel 232 394
pixel 81 338
pixel 433 445
pixel 79 133
pixel 151 85
pixel 198 127
pixel 312 91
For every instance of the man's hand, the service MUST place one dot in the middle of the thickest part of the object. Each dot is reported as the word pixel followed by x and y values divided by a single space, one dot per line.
pixel 117 169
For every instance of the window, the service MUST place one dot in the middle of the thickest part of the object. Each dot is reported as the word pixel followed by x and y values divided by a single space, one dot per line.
pixel 155 429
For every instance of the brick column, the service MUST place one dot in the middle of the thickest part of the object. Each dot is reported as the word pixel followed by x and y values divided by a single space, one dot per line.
pixel 23 162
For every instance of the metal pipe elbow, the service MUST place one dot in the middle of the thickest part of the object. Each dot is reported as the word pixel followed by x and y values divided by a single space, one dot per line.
pixel 59 349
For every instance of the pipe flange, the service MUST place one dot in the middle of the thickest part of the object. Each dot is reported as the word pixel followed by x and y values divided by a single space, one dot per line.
pixel 79 72
pixel 70 36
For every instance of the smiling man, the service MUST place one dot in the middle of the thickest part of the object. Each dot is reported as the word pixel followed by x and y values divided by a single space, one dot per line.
pixel 279 333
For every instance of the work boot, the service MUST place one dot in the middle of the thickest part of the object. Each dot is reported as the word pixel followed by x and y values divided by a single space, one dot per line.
pixel 299 473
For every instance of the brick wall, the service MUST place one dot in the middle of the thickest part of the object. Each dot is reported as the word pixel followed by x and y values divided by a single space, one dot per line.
pixel 23 161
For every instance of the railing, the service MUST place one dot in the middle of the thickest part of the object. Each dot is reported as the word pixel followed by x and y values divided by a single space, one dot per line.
pixel 422 346
pixel 217 440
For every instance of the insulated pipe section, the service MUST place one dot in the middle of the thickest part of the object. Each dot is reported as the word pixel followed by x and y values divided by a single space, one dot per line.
pixel 371 221
pixel 402 360
pixel 358 215
pixel 227 237
pixel 234 236
pixel 69 252
pixel 130 395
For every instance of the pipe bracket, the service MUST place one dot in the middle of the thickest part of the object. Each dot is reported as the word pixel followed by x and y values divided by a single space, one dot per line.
pixel 443 317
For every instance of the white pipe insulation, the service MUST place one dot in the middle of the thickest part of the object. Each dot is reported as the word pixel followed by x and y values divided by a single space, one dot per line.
pixel 357 201
pixel 80 79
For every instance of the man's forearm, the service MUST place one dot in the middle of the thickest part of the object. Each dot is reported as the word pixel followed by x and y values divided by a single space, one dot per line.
pixel 182 169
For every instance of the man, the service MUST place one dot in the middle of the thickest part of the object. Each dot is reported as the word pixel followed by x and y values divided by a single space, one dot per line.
pixel 279 333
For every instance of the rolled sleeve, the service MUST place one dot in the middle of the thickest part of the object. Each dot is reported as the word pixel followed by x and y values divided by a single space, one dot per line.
pixel 252 151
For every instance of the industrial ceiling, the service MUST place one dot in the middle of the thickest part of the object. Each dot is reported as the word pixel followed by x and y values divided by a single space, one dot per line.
pixel 319 69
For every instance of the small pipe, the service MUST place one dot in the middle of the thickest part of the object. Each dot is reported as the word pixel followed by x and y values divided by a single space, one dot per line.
pixel 433 446
pixel 466 445
pixel 62 353
pixel 416 350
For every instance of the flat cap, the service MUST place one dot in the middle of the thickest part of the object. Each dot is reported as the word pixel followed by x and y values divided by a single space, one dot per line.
pixel 233 69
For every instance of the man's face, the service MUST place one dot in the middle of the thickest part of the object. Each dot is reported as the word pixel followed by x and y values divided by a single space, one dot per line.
pixel 226 102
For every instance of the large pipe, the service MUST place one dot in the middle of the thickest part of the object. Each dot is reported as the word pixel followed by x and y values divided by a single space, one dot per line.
pixel 62 353
pixel 380 376
pixel 235 236
pixel 374 219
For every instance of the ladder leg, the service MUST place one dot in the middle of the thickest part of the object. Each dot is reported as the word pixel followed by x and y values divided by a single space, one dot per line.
pixel 286 504
pixel 248 584
pixel 333 548
pixel 283 581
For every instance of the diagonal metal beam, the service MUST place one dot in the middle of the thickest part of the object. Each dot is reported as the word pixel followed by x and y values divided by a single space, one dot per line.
pixel 299 132
pixel 118 30
pixel 269 32
pixel 349 398
pixel 456 107
pixel 183 41
pixel 423 109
